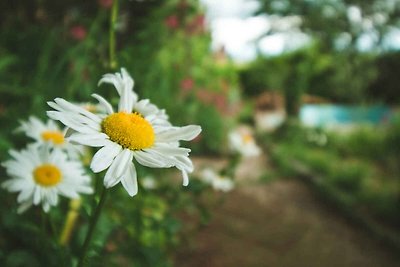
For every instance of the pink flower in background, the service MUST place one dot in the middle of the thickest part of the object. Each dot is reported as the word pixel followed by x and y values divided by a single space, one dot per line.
pixel 78 32
pixel 204 96
pixel 105 3
pixel 196 25
pixel 187 85
pixel 218 100
pixel 221 102
pixel 172 22
pixel 199 21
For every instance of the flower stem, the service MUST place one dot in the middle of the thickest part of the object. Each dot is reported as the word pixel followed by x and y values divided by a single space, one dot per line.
pixel 72 215
pixel 95 217
pixel 113 22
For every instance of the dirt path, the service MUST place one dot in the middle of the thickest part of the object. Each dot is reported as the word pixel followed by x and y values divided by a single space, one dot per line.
pixel 281 223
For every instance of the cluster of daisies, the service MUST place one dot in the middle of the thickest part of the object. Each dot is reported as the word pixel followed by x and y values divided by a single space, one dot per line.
pixel 137 131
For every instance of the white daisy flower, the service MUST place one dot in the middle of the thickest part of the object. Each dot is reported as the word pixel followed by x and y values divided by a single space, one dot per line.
pixel 49 133
pixel 40 174
pixel 138 130
pixel 149 182
pixel 242 141
pixel 218 182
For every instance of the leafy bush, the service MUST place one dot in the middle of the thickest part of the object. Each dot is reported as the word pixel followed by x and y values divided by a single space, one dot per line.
pixel 351 167
pixel 348 176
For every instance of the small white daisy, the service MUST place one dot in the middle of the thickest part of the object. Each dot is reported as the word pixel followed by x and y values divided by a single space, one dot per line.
pixel 137 130
pixel 218 182
pixel 49 133
pixel 40 174
pixel 242 141
pixel 149 182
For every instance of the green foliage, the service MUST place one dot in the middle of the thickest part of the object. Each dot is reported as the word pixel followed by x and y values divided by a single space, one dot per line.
pixel 385 87
pixel 347 166
pixel 348 176
pixel 365 142
pixel 338 76
pixel 26 243
pixel 392 141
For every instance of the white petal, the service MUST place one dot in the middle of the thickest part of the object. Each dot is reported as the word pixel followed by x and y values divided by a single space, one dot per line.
pixel 94 140
pixel 185 178
pixel 171 150
pixel 129 180
pixel 113 79
pixel 46 206
pixel 24 206
pixel 127 79
pixel 185 133
pixel 104 103
pixel 67 106
pixel 149 159
pixel 68 191
pixel 184 163
pixel 117 168
pixel 25 194
pixel 71 122
pixel 126 100
pixel 37 195
pixel 104 157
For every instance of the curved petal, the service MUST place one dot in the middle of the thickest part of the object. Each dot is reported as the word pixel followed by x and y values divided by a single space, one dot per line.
pixel 36 195
pixel 104 103
pixel 185 178
pixel 117 168
pixel 104 157
pixel 149 159
pixel 94 140
pixel 185 133
pixel 171 150
pixel 129 180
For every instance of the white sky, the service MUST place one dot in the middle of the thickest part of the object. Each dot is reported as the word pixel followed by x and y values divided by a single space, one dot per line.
pixel 233 26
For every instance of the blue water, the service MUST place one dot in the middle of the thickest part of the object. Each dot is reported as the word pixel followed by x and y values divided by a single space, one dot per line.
pixel 326 115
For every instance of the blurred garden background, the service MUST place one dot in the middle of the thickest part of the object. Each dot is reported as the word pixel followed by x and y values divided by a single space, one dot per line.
pixel 298 162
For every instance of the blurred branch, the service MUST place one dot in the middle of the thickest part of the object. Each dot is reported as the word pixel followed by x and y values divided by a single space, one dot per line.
pixel 113 22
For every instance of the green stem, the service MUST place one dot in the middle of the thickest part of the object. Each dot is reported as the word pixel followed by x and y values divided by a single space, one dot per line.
pixel 113 22
pixel 95 217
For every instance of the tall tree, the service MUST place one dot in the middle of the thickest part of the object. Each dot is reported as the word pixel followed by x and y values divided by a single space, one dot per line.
pixel 340 23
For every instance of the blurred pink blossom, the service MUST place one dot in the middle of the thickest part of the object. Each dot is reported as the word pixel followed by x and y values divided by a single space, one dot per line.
pixel 205 96
pixel 187 84
pixel 196 25
pixel 172 22
pixel 105 3
pixel 78 32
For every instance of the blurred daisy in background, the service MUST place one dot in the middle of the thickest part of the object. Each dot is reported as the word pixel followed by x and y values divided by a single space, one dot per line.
pixel 137 130
pixel 217 181
pixel 40 174
pixel 241 140
pixel 94 108
pixel 149 182
pixel 49 133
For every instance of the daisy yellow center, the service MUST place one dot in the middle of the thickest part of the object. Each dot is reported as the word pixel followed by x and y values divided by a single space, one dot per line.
pixel 247 138
pixel 54 136
pixel 130 130
pixel 47 175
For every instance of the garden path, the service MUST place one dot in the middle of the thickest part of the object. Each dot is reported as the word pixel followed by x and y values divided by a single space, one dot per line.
pixel 279 223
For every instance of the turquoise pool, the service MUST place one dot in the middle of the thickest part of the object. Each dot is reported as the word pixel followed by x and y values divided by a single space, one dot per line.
pixel 331 115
